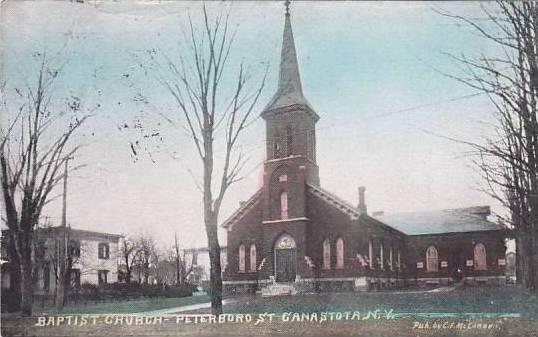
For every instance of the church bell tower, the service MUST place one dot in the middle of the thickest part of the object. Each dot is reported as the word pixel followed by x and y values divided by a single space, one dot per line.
pixel 290 139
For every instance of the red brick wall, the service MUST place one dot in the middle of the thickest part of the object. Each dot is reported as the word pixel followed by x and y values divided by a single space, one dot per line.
pixel 246 231
pixel 326 221
pixel 455 248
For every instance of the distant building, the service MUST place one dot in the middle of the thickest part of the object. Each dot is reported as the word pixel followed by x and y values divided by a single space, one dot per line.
pixel 294 234
pixel 199 258
pixel 94 256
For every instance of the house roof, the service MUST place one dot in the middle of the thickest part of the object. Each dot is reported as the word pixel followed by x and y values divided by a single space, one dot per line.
pixel 245 206
pixel 80 232
pixel 469 219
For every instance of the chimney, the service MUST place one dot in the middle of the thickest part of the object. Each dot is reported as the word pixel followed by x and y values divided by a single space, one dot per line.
pixel 362 202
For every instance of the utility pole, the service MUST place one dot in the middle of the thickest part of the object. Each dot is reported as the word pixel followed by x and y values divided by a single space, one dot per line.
pixel 64 208
pixel 61 280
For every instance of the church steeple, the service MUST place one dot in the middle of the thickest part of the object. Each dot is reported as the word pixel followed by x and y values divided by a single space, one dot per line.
pixel 290 139
pixel 290 90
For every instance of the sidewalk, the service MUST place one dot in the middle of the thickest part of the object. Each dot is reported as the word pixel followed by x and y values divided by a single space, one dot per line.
pixel 184 308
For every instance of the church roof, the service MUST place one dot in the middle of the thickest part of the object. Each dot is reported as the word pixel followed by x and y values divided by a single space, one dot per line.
pixel 347 207
pixel 290 90
pixel 469 219
pixel 334 200
pixel 245 206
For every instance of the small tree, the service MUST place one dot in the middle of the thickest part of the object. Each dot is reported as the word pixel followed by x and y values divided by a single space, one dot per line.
pixel 145 256
pixel 129 255
pixel 183 269
pixel 67 251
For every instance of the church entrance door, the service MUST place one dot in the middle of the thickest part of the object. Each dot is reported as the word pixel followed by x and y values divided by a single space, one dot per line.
pixel 285 265
pixel 285 259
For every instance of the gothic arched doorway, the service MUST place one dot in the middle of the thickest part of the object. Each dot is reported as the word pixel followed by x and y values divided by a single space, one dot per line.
pixel 285 259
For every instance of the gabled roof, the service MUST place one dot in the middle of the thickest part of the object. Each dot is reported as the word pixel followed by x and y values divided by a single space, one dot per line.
pixel 247 205
pixel 469 219
pixel 334 200
pixel 346 207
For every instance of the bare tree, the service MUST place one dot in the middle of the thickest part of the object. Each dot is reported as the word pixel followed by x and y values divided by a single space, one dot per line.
pixel 206 105
pixel 129 255
pixel 146 254
pixel 177 260
pixel 32 157
pixel 66 254
pixel 183 269
pixel 508 161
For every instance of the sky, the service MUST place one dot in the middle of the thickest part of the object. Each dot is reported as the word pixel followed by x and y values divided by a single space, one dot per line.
pixel 375 72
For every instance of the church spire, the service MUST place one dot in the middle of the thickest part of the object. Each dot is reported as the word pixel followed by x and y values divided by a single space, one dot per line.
pixel 290 90
pixel 289 79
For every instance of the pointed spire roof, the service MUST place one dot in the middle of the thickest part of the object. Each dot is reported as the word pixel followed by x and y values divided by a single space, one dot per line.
pixel 290 90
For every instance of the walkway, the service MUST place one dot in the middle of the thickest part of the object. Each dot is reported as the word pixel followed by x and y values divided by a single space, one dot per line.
pixel 184 308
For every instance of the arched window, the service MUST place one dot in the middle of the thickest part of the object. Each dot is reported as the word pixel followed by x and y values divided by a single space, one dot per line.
pixel 390 258
pixel 326 254
pixel 289 141
pixel 432 260
pixel 371 253
pixel 242 258
pixel 283 205
pixel 276 146
pixel 253 257
pixel 340 253
pixel 381 256
pixel 480 257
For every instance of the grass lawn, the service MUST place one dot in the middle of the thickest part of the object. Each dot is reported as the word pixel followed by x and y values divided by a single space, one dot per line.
pixel 121 307
pixel 459 300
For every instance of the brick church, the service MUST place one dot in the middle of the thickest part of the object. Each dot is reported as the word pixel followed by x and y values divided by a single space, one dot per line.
pixel 293 232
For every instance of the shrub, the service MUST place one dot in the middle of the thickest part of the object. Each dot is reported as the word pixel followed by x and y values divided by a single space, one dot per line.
pixel 117 291
pixel 179 291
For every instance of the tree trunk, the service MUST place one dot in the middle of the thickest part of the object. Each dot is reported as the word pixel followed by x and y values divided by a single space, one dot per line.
pixel 178 267
pixel 526 259
pixel 215 278
pixel 519 261
pixel 531 264
pixel 14 276
pixel 15 285
pixel 146 274
pixel 27 289
pixel 60 280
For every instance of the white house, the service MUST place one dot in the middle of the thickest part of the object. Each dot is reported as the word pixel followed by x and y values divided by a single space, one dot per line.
pixel 94 258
